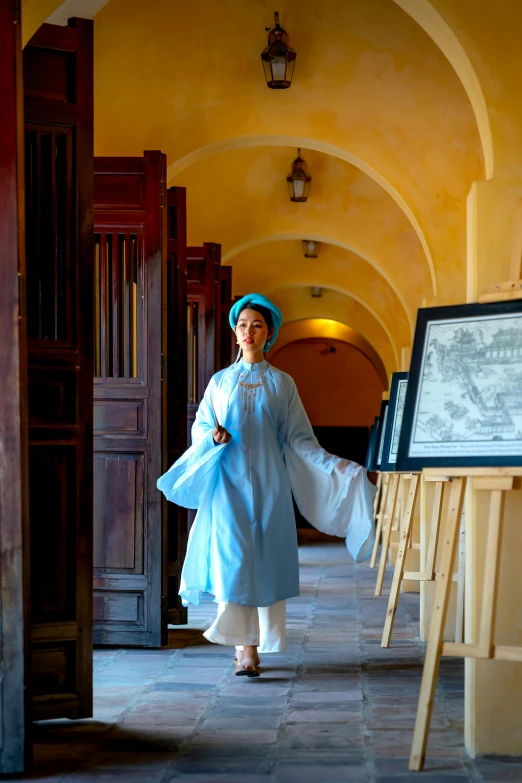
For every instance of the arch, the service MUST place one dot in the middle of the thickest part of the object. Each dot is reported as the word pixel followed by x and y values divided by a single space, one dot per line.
pixel 328 241
pixel 431 21
pixel 327 329
pixel 312 144
pixel 272 292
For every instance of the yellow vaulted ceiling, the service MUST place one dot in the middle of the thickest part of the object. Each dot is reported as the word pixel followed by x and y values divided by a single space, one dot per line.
pixel 390 102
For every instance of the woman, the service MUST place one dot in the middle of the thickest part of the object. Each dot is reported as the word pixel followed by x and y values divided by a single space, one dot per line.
pixel 252 445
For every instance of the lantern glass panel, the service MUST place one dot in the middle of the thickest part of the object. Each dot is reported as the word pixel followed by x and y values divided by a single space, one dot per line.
pixel 268 70
pixel 290 65
pixel 299 188
pixel 278 69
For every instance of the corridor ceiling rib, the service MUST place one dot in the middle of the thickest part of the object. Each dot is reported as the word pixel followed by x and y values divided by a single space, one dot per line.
pixel 36 12
pixel 272 292
pixel 297 305
pixel 311 144
pixel 427 17
pixel 325 240
pixel 329 329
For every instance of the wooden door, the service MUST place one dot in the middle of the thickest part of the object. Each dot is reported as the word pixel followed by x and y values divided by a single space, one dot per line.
pixel 175 390
pixel 130 559
pixel 58 88
pixel 224 305
pixel 203 278
pixel 14 713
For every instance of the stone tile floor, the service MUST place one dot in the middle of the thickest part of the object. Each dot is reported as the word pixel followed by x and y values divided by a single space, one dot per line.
pixel 334 708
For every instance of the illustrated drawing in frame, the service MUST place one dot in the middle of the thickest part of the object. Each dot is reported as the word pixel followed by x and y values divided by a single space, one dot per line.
pixel 464 397
pixel 392 433
pixel 379 440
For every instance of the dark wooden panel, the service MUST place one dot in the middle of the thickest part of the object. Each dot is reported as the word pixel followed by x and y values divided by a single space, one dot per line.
pixel 224 305
pixel 15 743
pixel 50 242
pixel 118 510
pixel 203 278
pixel 54 669
pixel 119 608
pixel 175 393
pixel 53 472
pixel 52 399
pixel 58 210
pixel 118 416
pixel 129 270
pixel 49 75
pixel 119 191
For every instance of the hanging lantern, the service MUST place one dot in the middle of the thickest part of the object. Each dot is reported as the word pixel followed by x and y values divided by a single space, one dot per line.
pixel 310 248
pixel 278 58
pixel 298 180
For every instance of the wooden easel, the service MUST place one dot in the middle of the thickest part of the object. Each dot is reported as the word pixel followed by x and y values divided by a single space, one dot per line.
pixel 383 499
pixel 389 518
pixel 497 481
pixel 428 574
pixel 393 520
pixel 378 493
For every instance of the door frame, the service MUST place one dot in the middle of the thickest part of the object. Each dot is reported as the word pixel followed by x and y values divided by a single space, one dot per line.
pixel 15 749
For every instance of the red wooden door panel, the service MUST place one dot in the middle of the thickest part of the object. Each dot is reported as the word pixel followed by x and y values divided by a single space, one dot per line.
pixel 224 305
pixel 58 88
pixel 14 713
pixel 130 559
pixel 175 393
pixel 203 278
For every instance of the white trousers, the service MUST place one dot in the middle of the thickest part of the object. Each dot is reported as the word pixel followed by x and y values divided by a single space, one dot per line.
pixel 263 627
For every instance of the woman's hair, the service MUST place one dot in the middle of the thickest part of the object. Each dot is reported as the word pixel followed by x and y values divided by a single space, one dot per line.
pixel 264 311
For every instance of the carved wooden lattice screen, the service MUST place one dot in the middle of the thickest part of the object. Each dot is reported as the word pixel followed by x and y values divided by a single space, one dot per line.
pixel 130 561
pixel 58 89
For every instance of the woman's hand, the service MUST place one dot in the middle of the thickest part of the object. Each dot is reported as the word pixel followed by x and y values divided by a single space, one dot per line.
pixel 221 435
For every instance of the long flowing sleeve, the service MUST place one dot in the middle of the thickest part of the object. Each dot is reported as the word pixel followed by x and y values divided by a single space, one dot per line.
pixel 187 480
pixel 333 494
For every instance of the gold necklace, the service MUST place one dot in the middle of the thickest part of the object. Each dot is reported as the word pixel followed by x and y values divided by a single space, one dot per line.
pixel 250 393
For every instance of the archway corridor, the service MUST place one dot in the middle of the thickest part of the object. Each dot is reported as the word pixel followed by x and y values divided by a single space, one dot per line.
pixel 333 708
pixel 149 180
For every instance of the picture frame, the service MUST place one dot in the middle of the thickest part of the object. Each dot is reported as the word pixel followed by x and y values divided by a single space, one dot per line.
pixel 381 424
pixel 392 433
pixel 464 397
pixel 371 445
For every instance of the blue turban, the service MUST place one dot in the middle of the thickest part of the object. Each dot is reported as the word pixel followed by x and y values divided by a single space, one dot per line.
pixel 251 301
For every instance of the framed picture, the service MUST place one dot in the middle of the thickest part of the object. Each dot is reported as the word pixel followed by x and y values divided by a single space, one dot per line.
pixel 379 441
pixel 464 397
pixel 371 445
pixel 392 433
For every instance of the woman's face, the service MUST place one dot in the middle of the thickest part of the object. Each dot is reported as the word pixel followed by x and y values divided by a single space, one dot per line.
pixel 252 331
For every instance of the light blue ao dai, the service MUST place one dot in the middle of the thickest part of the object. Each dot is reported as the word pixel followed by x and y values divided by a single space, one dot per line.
pixel 242 546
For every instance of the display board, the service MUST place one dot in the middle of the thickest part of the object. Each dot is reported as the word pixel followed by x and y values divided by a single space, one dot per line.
pixel 379 441
pixel 392 432
pixel 464 398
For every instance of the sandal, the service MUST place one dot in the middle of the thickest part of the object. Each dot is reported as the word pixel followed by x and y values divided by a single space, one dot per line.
pixel 247 667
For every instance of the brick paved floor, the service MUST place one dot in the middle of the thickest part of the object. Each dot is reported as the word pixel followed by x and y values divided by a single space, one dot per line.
pixel 334 708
